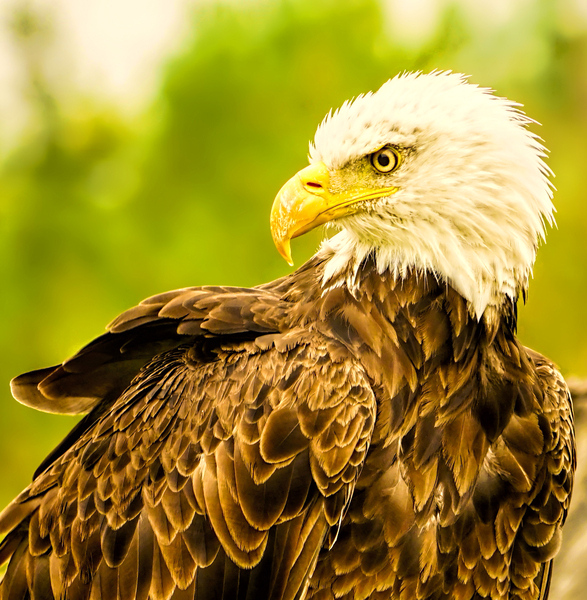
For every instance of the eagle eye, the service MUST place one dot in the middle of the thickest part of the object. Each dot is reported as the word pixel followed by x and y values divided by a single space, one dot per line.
pixel 385 160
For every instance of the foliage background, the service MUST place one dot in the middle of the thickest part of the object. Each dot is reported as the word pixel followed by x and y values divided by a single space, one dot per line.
pixel 99 209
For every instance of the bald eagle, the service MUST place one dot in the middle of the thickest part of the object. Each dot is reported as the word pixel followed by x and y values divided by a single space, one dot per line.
pixel 365 427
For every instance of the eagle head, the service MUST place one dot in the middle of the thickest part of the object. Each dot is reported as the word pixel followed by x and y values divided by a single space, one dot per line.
pixel 430 173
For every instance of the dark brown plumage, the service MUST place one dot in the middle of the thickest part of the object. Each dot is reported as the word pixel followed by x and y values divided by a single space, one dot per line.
pixel 382 444
pixel 366 427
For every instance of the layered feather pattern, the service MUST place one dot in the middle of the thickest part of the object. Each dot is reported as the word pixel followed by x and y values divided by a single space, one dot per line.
pixel 291 442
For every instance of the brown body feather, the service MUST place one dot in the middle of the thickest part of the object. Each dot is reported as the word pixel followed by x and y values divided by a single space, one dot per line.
pixel 287 442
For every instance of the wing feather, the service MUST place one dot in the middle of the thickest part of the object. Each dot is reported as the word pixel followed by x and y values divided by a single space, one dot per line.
pixel 200 476
pixel 106 366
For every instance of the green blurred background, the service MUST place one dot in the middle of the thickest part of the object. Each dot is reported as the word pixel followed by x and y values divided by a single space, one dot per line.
pixel 101 206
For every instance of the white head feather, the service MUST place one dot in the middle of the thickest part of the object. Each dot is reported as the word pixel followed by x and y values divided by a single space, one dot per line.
pixel 473 193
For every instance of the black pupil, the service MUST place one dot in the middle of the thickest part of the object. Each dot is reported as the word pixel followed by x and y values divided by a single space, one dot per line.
pixel 383 160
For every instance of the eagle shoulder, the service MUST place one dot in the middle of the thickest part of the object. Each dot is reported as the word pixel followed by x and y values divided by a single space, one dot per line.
pixel 236 451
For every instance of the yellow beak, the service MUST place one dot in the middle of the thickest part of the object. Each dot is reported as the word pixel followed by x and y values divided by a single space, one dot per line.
pixel 305 202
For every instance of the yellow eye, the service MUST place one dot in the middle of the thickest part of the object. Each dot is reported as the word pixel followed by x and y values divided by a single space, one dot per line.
pixel 385 160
